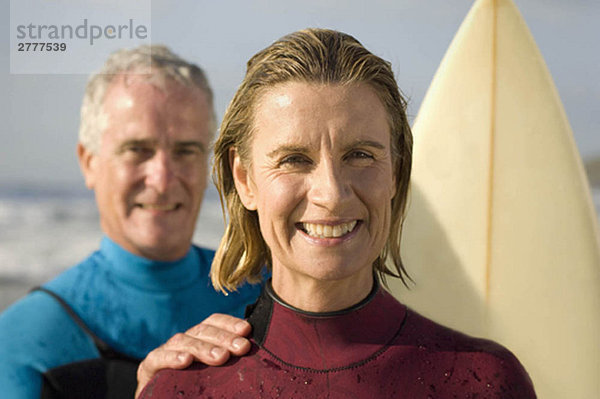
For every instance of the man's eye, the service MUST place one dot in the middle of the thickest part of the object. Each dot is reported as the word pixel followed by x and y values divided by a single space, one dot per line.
pixel 138 153
pixel 139 149
pixel 186 151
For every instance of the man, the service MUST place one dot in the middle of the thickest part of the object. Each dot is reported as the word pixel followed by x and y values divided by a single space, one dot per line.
pixel 147 120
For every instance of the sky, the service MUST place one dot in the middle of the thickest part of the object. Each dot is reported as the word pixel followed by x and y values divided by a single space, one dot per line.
pixel 41 111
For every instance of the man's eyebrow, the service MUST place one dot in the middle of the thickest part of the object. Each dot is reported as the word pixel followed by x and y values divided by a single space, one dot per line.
pixel 135 142
pixel 152 142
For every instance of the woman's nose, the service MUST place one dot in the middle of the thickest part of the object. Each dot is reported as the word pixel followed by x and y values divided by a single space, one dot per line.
pixel 329 188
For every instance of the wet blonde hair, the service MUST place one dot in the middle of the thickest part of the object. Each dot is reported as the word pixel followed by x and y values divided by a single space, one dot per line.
pixel 315 56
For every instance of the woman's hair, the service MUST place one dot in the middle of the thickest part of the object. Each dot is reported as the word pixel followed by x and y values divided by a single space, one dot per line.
pixel 314 56
pixel 156 63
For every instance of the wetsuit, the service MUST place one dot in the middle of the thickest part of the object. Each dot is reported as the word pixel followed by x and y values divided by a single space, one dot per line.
pixel 376 349
pixel 127 303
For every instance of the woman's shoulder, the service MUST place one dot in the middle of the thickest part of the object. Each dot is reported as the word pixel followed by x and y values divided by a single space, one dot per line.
pixel 465 359
pixel 423 331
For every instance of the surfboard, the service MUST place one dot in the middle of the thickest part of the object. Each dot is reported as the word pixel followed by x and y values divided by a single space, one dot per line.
pixel 501 235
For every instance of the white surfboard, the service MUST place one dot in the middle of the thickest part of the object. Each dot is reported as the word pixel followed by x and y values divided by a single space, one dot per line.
pixel 501 236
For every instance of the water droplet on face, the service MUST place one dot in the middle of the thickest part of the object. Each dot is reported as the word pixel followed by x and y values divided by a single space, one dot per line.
pixel 180 393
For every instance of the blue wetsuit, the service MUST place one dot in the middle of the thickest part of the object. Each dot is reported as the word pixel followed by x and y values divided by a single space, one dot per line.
pixel 130 303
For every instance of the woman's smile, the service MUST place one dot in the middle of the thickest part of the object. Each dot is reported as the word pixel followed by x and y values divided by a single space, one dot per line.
pixel 328 234
pixel 329 230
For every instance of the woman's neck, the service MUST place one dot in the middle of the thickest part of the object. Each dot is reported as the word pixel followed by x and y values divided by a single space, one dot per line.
pixel 313 295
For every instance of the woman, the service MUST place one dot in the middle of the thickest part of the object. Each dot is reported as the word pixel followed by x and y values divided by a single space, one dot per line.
pixel 313 162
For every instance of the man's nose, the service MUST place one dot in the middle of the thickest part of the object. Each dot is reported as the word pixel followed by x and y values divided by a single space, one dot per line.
pixel 329 187
pixel 160 171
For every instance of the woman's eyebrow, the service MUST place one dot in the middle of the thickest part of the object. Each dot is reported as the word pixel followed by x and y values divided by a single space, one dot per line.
pixel 286 149
pixel 291 148
pixel 364 143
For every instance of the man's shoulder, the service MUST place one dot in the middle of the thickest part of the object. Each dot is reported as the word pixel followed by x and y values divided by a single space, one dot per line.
pixel 36 335
pixel 39 323
pixel 38 312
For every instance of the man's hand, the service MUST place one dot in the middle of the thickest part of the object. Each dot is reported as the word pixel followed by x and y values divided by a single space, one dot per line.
pixel 210 342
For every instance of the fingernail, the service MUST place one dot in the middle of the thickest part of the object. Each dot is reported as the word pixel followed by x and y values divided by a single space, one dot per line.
pixel 181 358
pixel 217 352
pixel 238 343
pixel 240 325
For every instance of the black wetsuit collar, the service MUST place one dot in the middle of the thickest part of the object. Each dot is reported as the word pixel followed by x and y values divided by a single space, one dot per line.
pixel 271 293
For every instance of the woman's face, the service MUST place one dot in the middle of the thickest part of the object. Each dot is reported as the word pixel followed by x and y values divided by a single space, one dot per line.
pixel 320 177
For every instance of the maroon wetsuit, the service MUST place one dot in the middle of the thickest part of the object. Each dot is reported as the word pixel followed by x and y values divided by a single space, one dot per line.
pixel 376 349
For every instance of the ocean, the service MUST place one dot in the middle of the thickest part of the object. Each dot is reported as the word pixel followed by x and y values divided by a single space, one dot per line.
pixel 46 230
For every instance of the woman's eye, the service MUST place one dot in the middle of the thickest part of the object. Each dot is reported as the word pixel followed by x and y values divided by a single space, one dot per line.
pixel 359 155
pixel 294 160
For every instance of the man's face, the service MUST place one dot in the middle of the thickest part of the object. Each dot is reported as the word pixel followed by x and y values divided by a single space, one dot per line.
pixel 150 172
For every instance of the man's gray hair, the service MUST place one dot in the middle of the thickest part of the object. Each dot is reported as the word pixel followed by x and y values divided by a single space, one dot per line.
pixel 158 62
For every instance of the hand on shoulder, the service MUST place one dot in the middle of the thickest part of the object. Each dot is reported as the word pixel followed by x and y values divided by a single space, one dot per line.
pixel 210 342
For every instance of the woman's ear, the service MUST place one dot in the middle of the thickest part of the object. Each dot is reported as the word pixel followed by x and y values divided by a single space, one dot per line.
pixel 243 181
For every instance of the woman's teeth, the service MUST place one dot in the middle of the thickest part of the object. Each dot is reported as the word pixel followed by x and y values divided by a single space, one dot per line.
pixel 328 231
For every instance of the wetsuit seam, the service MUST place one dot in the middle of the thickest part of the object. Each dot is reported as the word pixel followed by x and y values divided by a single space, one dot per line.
pixel 351 366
